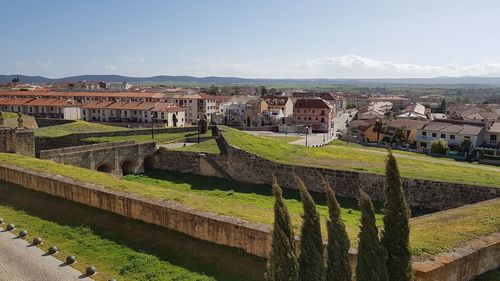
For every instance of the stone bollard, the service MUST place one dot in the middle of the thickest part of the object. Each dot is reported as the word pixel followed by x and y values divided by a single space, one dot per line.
pixel 11 227
pixel 70 259
pixel 37 241
pixel 1 220
pixel 52 250
pixel 90 270
pixel 23 233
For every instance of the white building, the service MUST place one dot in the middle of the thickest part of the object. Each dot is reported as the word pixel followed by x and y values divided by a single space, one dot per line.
pixel 118 86
pixel 454 132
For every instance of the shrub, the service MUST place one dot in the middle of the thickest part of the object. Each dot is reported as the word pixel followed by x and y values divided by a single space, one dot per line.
pixel 439 146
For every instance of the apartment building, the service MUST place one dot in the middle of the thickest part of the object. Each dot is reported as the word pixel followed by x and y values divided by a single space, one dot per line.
pixel 453 131
pixel 283 103
pixel 199 105
pixel 314 112
pixel 134 112
pixel 68 109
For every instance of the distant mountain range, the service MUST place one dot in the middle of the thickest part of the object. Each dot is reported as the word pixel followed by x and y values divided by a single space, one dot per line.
pixel 235 80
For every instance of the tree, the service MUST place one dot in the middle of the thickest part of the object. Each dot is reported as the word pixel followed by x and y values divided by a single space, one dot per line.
pixel 371 254
pixel 174 119
pixel 263 91
pixel 338 266
pixel 248 121
pixel 465 145
pixel 396 233
pixel 213 90
pixel 350 105
pixel 377 128
pixel 400 135
pixel 282 264
pixel 442 107
pixel 311 264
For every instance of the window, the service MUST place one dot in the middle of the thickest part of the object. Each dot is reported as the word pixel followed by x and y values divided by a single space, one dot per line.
pixel 322 119
pixel 84 112
pixel 298 118
pixel 316 118
pixel 31 109
pixel 424 133
pixel 322 112
pixel 434 135
pixel 443 136
pixel 493 137
pixel 310 118
pixel 452 137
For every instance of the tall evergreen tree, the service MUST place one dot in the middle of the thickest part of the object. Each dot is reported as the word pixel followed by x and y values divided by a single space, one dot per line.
pixel 338 266
pixel 282 264
pixel 311 264
pixel 396 233
pixel 371 254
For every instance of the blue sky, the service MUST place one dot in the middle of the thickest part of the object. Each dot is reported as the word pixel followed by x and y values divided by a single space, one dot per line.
pixel 253 38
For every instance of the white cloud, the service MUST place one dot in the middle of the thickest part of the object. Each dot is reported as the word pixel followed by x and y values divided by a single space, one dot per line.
pixel 353 66
pixel 350 66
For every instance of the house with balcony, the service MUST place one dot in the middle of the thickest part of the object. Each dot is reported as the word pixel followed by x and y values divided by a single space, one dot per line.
pixel 492 136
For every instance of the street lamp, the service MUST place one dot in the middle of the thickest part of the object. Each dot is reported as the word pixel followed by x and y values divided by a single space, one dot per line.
pixel 307 133
pixel 199 128
pixel 152 126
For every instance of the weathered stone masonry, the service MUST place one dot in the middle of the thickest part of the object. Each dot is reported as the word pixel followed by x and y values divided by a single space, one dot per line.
pixel 246 167
pixel 461 265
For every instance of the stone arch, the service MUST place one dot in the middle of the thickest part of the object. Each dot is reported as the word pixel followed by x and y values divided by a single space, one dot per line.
pixel 105 167
pixel 129 166
pixel 148 163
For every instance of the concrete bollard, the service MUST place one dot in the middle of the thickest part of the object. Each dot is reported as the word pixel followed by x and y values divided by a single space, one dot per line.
pixel 23 233
pixel 11 227
pixel 1 220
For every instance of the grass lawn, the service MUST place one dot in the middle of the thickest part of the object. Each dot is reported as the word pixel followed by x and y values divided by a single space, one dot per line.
pixel 356 158
pixel 209 146
pixel 159 138
pixel 122 248
pixel 75 127
pixel 254 203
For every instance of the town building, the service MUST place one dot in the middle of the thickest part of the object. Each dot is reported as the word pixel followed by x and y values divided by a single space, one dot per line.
pixel 253 112
pixel 118 86
pixel 197 106
pixel 453 131
pixel 68 109
pixel 414 111
pixel 166 114
pixel 374 110
pixel 283 103
pixel 336 99
pixel 314 112
pixel 492 136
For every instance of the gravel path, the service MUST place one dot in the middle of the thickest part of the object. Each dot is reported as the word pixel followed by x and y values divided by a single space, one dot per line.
pixel 21 261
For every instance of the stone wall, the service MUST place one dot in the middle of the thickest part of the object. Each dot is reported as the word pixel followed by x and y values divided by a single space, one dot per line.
pixel 251 237
pixel 18 140
pixel 46 143
pixel 463 264
pixel 116 158
pixel 246 167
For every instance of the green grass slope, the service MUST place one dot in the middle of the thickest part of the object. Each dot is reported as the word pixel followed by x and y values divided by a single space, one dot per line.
pixel 74 128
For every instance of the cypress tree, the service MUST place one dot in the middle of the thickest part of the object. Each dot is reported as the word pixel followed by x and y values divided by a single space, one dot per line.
pixel 282 264
pixel 371 254
pixel 338 266
pixel 396 233
pixel 311 263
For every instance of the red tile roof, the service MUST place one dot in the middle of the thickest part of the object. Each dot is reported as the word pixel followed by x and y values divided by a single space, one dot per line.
pixel 40 102
pixel 145 106
pixel 312 103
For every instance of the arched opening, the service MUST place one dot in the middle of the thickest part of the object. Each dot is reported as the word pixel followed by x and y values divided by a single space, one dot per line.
pixel 129 167
pixel 105 168
pixel 148 163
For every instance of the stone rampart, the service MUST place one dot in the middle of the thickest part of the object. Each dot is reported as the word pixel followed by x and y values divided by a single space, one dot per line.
pixel 246 167
pixel 463 264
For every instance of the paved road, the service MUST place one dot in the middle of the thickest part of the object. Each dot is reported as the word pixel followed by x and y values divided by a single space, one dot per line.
pixel 312 139
pixel 176 144
pixel 22 262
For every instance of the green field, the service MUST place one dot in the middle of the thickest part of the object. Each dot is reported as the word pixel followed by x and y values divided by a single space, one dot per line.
pixel 356 158
pixel 159 138
pixel 254 203
pixel 74 128
pixel 119 247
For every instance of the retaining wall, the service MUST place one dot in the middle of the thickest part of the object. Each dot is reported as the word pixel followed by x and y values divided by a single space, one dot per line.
pixel 461 265
pixel 246 167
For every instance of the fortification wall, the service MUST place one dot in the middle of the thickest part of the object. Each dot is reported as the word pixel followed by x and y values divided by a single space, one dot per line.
pixel 461 265
pixel 246 167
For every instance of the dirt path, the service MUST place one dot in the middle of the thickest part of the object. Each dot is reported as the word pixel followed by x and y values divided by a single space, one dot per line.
pixel 20 261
